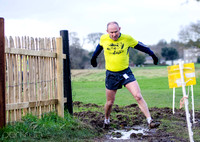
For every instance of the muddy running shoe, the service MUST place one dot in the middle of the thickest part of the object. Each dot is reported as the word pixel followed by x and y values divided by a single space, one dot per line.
pixel 154 124
pixel 106 126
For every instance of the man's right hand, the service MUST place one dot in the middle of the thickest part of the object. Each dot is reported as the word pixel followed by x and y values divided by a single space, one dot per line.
pixel 94 62
pixel 155 59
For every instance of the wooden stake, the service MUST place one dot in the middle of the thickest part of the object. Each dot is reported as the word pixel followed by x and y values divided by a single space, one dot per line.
pixel 60 106
pixel 67 72
pixel 2 73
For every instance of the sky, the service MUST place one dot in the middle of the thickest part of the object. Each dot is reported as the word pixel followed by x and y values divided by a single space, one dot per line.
pixel 148 21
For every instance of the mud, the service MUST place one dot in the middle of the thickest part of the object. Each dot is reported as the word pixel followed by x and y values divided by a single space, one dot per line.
pixel 129 118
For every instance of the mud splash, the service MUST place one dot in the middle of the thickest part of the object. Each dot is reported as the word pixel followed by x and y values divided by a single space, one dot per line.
pixel 128 133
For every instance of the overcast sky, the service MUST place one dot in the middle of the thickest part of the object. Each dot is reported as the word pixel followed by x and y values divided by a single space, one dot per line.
pixel 145 20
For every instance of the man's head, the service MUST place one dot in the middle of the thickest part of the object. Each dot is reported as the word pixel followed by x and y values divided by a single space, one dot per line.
pixel 113 30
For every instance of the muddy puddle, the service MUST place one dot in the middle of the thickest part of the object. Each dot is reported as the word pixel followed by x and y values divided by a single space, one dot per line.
pixel 128 133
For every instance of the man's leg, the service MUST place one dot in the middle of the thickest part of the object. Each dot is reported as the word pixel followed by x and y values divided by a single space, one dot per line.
pixel 110 98
pixel 134 89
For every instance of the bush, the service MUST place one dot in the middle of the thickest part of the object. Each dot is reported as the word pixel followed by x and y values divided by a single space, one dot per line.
pixel 139 59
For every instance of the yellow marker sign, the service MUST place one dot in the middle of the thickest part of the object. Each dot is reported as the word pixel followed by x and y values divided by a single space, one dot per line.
pixel 174 76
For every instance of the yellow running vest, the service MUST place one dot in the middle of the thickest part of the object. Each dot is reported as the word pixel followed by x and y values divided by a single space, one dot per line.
pixel 117 52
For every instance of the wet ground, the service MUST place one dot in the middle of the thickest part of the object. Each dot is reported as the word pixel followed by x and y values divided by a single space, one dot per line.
pixel 129 124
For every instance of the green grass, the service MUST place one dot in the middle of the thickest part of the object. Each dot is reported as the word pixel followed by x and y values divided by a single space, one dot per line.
pixel 88 87
pixel 153 82
pixel 50 127
pixel 179 129
pixel 173 128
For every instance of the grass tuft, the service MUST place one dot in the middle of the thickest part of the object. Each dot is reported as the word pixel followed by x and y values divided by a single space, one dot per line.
pixel 50 127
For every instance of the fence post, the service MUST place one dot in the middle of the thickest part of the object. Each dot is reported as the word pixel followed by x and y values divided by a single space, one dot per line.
pixel 60 106
pixel 2 73
pixel 66 72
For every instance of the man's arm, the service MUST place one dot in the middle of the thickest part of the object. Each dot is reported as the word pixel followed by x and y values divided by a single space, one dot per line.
pixel 96 53
pixel 141 47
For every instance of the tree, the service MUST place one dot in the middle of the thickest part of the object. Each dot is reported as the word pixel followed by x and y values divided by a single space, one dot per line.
pixel 162 43
pixel 132 56
pixel 74 40
pixel 79 57
pixel 94 38
pixel 169 53
pixel 157 47
pixel 139 59
pixel 195 0
pixel 191 34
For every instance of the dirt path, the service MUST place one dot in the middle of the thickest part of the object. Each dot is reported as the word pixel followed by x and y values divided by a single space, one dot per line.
pixel 173 126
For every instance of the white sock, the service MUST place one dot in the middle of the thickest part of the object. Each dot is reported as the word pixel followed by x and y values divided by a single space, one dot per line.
pixel 107 121
pixel 149 120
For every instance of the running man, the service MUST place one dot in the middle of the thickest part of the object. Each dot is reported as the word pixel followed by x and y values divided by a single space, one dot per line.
pixel 116 52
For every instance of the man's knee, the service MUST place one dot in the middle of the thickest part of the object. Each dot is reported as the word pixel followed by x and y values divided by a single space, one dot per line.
pixel 110 103
pixel 138 97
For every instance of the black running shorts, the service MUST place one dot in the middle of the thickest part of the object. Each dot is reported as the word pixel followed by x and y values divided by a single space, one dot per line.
pixel 115 80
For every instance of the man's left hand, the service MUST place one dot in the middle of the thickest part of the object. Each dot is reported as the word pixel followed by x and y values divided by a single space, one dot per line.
pixel 93 62
pixel 155 59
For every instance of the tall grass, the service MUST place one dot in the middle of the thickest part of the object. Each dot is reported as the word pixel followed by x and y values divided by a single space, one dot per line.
pixel 153 81
pixel 50 127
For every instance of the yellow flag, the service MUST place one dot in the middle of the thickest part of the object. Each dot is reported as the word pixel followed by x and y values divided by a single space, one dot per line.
pixel 174 76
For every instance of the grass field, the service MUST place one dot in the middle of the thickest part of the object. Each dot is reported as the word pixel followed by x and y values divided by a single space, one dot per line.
pixel 88 87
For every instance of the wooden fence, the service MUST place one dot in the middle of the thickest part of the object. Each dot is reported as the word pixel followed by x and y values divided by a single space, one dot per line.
pixel 33 66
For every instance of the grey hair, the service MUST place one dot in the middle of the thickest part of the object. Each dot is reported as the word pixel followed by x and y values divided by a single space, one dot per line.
pixel 112 23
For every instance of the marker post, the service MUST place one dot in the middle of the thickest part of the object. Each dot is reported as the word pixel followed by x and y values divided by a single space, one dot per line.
pixel 183 75
pixel 186 102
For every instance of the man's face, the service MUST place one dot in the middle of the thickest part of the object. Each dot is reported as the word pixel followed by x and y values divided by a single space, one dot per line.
pixel 114 31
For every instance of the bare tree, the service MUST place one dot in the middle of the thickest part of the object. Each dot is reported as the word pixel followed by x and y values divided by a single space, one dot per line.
pixel 79 57
pixel 190 0
pixel 191 34
pixel 94 38
pixel 74 40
